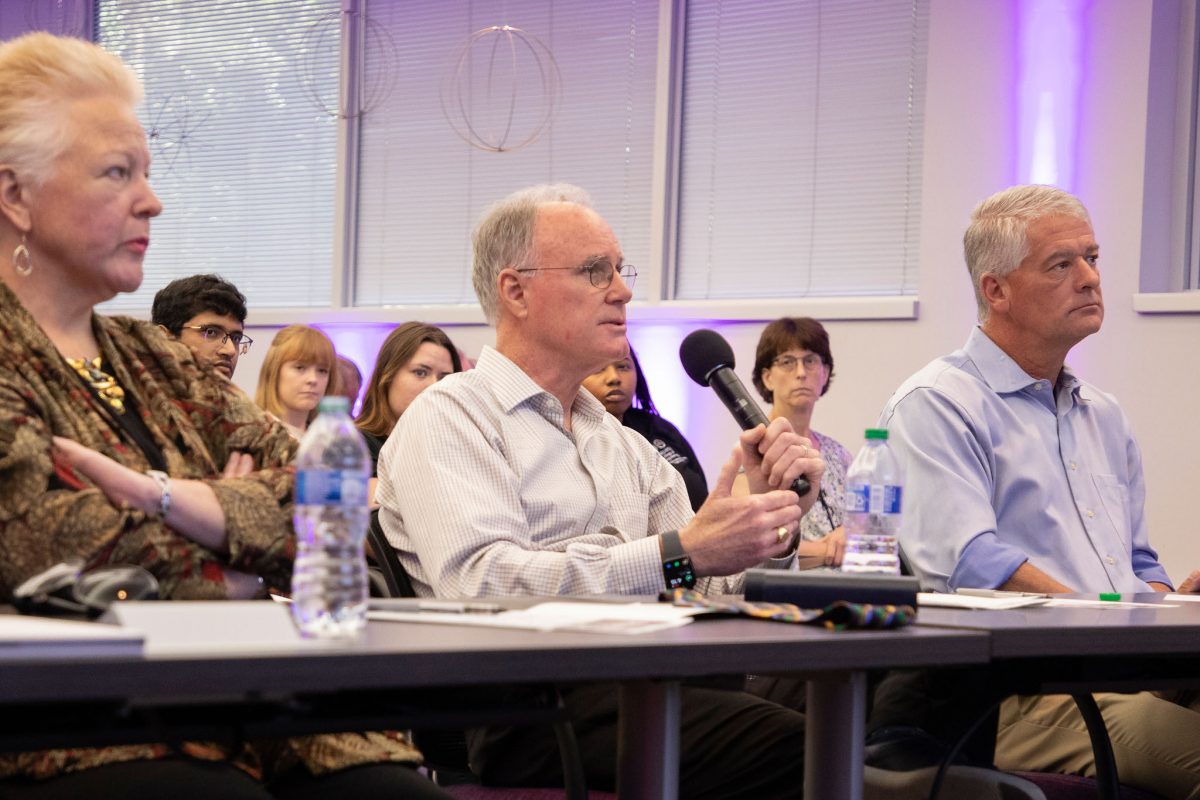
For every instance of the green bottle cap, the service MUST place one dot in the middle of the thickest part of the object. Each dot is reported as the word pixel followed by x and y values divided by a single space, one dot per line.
pixel 1113 596
pixel 877 433
pixel 333 402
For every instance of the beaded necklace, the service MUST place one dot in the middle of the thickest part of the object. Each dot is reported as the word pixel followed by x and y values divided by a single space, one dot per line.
pixel 104 384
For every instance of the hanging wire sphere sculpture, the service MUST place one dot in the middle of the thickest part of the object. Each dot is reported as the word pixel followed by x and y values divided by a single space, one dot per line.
pixel 502 89
pixel 172 132
pixel 63 17
pixel 366 91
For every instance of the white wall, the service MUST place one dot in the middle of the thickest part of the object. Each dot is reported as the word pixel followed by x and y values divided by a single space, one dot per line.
pixel 1148 362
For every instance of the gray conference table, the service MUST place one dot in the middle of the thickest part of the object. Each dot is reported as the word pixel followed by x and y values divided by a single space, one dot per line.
pixel 411 656
pixel 1106 647
pixel 1077 650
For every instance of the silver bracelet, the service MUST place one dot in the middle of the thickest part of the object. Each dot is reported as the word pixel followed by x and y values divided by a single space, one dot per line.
pixel 163 481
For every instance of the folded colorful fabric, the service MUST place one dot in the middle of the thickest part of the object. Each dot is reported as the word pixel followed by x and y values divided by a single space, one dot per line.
pixel 836 616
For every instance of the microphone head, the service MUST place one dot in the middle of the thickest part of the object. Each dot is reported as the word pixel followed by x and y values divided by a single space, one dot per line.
pixel 702 352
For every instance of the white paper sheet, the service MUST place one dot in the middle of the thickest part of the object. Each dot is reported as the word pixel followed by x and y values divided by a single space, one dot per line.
pixel 977 602
pixel 615 618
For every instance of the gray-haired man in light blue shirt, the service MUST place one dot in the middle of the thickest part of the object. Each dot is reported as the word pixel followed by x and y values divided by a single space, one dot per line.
pixel 1022 476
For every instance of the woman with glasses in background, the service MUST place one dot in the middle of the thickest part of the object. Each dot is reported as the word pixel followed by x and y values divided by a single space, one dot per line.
pixel 793 368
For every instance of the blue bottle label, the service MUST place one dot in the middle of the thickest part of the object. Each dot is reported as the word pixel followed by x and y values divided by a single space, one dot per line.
pixel 858 498
pixel 874 498
pixel 885 499
pixel 325 487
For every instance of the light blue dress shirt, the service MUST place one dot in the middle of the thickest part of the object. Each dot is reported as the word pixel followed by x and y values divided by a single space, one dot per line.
pixel 1002 468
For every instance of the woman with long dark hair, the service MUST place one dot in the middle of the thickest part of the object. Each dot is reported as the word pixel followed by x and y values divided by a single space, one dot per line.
pixel 413 357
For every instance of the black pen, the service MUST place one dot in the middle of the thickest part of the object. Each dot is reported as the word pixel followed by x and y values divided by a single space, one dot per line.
pixel 999 593
pixel 443 606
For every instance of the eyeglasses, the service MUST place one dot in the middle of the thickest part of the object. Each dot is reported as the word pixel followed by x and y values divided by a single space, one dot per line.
pixel 788 363
pixel 600 272
pixel 65 589
pixel 217 334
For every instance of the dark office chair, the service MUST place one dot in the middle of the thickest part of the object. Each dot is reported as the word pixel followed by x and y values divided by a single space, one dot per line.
pixel 394 574
pixel 446 751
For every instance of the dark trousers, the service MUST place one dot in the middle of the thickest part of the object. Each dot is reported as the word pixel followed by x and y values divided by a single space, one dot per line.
pixel 731 745
pixel 943 703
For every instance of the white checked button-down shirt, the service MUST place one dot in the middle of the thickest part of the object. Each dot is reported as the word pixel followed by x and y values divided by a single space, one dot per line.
pixel 483 492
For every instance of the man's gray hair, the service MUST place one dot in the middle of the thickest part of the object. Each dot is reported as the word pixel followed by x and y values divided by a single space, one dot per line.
pixel 504 237
pixel 997 241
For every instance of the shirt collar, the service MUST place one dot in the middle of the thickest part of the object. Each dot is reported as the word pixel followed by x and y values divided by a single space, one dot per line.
pixel 509 382
pixel 513 387
pixel 995 366
pixel 1003 374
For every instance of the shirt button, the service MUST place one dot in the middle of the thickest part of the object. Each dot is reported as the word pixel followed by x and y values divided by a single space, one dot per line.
pixel 1110 560
pixel 1090 514
pixel 1072 466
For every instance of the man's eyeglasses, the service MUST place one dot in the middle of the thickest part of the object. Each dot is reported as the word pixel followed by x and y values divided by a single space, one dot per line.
pixel 218 335
pixel 788 363
pixel 599 272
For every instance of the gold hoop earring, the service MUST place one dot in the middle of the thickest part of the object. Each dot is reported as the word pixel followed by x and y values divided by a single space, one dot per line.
pixel 22 263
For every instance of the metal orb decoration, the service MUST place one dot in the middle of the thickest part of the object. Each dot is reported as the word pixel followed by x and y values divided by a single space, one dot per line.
pixel 360 91
pixel 502 89
pixel 172 133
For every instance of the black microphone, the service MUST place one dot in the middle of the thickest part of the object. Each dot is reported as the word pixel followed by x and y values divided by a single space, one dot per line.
pixel 708 360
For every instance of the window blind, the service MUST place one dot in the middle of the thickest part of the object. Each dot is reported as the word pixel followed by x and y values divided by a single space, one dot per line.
pixel 801 155
pixel 422 188
pixel 244 157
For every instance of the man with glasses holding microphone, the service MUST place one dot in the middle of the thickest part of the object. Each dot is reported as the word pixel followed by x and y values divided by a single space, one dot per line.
pixel 511 479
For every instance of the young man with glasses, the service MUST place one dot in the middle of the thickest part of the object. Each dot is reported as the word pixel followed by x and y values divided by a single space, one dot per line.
pixel 512 479
pixel 208 314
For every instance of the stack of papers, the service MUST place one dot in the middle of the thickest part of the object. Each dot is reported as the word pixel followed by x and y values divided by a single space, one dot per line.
pixel 979 602
pixel 618 618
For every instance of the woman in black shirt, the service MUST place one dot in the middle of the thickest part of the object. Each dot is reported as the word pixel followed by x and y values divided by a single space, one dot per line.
pixel 622 388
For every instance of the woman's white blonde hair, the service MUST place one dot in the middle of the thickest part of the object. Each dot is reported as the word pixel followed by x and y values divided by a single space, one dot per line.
pixel 40 74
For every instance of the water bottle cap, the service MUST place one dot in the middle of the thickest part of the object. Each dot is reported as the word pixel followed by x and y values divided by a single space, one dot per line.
pixel 333 402
pixel 877 433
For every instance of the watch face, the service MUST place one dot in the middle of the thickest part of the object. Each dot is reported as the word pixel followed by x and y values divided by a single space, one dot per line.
pixel 678 573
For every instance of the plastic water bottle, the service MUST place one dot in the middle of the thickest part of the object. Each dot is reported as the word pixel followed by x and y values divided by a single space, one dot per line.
pixel 329 580
pixel 874 492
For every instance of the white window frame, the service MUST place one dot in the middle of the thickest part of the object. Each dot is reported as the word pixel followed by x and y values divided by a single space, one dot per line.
pixel 1170 256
